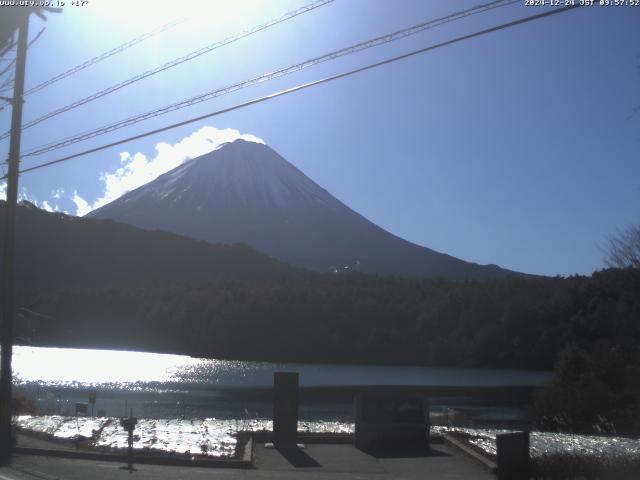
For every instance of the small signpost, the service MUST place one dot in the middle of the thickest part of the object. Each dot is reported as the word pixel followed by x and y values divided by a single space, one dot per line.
pixel 129 424
pixel 92 401
pixel 81 409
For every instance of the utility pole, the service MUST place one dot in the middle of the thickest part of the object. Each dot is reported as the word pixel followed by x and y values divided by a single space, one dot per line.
pixel 7 306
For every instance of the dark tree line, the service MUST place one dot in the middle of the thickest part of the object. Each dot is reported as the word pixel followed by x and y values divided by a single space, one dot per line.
pixel 514 323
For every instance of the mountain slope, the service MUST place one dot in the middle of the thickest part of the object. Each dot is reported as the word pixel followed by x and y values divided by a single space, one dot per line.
pixel 54 250
pixel 246 192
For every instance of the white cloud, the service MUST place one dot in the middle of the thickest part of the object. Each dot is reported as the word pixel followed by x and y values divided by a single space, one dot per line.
pixel 82 206
pixel 23 196
pixel 137 169
pixel 57 194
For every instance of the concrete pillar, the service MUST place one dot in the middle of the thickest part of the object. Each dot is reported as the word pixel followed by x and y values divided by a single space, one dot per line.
pixel 391 418
pixel 513 455
pixel 285 408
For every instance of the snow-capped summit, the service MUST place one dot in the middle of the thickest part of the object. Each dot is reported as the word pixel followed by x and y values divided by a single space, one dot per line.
pixel 245 192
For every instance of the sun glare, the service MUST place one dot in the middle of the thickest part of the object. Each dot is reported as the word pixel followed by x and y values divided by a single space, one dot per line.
pixel 143 15
pixel 68 365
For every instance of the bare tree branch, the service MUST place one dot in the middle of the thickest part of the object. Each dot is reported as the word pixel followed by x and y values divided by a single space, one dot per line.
pixel 624 248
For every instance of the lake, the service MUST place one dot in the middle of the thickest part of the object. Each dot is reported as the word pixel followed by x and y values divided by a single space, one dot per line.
pixel 169 386
pixel 190 404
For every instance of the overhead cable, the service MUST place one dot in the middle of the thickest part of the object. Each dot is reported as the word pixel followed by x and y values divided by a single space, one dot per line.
pixel 305 86
pixel 390 37
pixel 190 56
pixel 103 56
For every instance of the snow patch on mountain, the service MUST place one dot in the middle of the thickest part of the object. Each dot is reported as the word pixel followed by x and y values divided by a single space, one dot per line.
pixel 137 169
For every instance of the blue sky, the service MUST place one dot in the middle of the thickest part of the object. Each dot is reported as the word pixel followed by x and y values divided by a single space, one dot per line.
pixel 520 148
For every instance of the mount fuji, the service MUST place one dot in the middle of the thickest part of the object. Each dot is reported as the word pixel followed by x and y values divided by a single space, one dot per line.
pixel 245 192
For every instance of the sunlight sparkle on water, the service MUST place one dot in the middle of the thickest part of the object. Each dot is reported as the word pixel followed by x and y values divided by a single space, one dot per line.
pixel 66 365
pixel 75 367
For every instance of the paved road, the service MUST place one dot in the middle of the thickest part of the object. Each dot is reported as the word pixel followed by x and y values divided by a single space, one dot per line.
pixel 326 462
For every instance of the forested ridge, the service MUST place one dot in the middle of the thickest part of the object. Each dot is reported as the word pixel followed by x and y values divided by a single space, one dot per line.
pixel 101 283
pixel 91 283
pixel 508 323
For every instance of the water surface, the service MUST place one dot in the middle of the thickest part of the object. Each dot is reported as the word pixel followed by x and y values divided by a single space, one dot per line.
pixel 178 386
pixel 102 368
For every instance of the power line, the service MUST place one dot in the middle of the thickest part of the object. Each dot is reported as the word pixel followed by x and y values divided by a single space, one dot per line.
pixel 267 76
pixel 306 85
pixel 13 60
pixel 8 66
pixel 7 48
pixel 9 81
pixel 103 56
pixel 190 56
pixel 100 57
